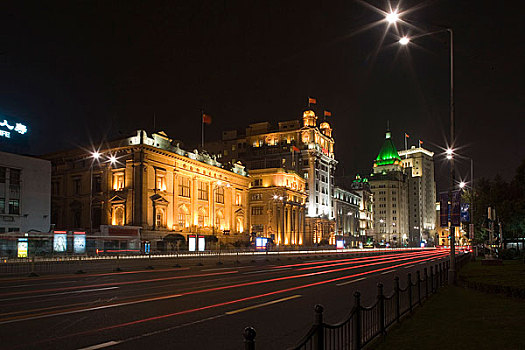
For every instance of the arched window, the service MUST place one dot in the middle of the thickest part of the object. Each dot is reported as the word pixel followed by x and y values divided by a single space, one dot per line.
pixel 240 224
pixel 219 219
pixel 184 216
pixel 118 216
pixel 202 218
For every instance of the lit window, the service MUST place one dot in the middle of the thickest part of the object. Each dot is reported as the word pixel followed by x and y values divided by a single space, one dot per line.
pixel 118 181
pixel 238 199
pixel 202 191
pixel 161 182
pixel 184 186
pixel 219 195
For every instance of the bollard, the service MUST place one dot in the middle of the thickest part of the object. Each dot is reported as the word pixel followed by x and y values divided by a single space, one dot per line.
pixel 318 340
pixel 249 338
pixel 357 320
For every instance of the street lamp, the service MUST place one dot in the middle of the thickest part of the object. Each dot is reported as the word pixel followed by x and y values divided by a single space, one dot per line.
pixel 392 17
pixel 462 184
pixel 404 40
pixel 95 157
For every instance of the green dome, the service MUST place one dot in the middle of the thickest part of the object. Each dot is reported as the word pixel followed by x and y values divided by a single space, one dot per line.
pixel 388 153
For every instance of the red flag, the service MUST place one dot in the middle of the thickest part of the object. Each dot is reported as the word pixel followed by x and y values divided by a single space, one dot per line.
pixel 312 101
pixel 420 143
pixel 206 118
pixel 296 149
pixel 406 135
pixel 327 113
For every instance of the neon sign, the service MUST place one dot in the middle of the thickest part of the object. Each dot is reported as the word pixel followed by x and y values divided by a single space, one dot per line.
pixel 16 127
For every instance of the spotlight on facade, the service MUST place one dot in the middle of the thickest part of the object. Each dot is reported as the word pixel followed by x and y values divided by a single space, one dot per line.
pixel 112 159
pixel 404 40
pixel 95 155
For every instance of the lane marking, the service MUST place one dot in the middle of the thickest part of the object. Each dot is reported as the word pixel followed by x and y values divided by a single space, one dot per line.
pixel 262 271
pixel 62 293
pixel 263 304
pixel 100 346
pixel 345 283
pixel 384 273
pixel 407 267
pixel 46 315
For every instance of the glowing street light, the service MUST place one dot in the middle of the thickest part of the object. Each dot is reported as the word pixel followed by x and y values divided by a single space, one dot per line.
pixel 392 17
pixel 449 153
pixel 112 159
pixel 462 184
pixel 404 40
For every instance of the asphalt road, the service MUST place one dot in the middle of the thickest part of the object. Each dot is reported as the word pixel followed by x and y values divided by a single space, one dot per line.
pixel 195 307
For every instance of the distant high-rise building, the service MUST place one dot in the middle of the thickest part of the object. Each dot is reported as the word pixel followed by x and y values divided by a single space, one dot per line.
pixel 388 183
pixel 419 165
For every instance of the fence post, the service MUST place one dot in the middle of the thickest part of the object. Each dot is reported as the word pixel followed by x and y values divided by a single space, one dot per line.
pixel 410 291
pixel 319 332
pixel 426 282
pixel 381 301
pixel 418 275
pixel 396 293
pixel 357 321
pixel 432 279
pixel 249 338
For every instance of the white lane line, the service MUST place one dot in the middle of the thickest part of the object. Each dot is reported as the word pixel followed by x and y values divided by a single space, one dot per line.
pixel 409 266
pixel 220 269
pixel 100 346
pixel 348 282
pixel 61 293
pixel 263 304
pixel 384 273
pixel 91 309
pixel 262 271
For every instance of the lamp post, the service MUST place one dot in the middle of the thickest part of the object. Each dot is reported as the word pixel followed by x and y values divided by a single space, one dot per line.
pixel 95 157
pixel 393 17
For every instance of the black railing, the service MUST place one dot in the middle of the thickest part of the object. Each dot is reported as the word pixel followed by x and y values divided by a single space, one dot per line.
pixel 364 324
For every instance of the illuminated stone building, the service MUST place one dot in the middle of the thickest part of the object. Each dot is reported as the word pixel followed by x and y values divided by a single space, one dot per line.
pixel 389 186
pixel 150 182
pixel 277 205
pixel 305 146
pixel 346 208
pixel 419 165
pixel 361 187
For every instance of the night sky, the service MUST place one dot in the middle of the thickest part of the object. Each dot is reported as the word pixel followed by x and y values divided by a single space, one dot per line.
pixel 77 71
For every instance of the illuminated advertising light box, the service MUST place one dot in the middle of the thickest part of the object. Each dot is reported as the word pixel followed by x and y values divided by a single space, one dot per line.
pixel 340 244
pixel 202 244
pixel 22 247
pixel 260 242
pixel 60 242
pixel 79 242
pixel 192 243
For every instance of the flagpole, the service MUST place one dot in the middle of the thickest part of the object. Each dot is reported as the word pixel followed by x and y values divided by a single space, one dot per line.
pixel 406 147
pixel 202 129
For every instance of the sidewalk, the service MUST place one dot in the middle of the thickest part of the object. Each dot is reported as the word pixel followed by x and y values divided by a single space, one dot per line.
pixel 460 318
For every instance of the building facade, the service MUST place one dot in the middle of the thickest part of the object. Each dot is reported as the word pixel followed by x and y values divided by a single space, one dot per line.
pixel 361 187
pixel 277 205
pixel 346 208
pixel 305 146
pixel 419 165
pixel 148 181
pixel 25 193
pixel 389 186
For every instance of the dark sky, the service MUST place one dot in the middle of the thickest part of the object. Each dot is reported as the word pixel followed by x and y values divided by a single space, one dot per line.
pixel 81 70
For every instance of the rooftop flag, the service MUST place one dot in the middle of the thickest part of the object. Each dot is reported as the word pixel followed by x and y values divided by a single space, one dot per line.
pixel 327 113
pixel 312 101
pixel 206 118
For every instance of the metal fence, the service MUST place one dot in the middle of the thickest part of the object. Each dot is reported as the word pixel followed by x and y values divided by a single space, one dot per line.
pixel 365 323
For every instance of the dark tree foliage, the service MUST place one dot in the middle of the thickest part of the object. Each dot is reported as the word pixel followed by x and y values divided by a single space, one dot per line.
pixel 508 198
